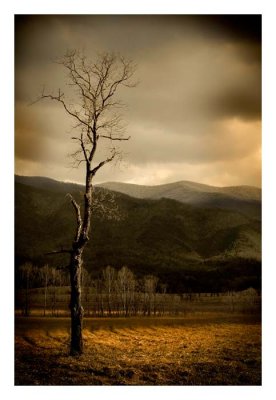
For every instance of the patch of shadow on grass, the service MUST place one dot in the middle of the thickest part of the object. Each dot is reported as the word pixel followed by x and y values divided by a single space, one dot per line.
pixel 226 374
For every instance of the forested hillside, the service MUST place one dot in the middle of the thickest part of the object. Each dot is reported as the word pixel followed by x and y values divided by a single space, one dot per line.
pixel 187 246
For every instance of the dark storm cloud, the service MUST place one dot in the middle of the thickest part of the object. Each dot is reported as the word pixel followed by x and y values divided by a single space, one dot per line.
pixel 133 33
pixel 40 39
pixel 237 27
pixel 198 102
pixel 240 103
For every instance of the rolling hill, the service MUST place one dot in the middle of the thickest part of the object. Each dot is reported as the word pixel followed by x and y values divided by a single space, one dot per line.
pixel 185 191
pixel 241 198
pixel 186 245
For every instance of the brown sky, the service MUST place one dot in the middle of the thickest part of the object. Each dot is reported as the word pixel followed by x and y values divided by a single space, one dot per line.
pixel 196 114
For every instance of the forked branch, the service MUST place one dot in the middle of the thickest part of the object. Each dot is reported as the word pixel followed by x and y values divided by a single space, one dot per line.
pixel 102 163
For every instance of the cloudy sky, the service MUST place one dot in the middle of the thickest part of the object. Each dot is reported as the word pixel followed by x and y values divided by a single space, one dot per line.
pixel 195 115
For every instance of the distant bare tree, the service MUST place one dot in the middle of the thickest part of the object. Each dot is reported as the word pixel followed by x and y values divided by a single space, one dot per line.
pixel 26 276
pixel 99 300
pixel 163 287
pixel 85 284
pixel 126 288
pixel 150 285
pixel 95 112
pixel 109 276
pixel 54 279
pixel 44 273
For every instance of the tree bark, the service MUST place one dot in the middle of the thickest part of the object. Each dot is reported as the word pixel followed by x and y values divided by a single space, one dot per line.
pixel 76 346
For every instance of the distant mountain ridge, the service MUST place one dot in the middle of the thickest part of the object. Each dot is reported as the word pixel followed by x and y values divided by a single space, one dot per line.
pixel 42 182
pixel 245 199
pixel 184 191
pixel 181 190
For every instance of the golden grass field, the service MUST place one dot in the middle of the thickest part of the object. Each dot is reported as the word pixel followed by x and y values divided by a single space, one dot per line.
pixel 208 350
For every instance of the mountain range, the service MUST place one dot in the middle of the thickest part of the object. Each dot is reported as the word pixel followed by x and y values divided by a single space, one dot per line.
pixel 192 236
pixel 240 198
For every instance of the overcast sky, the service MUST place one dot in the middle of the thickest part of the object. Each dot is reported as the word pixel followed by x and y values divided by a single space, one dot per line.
pixel 195 115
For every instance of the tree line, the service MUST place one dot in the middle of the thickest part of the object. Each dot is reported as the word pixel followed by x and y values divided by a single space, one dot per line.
pixel 114 292
pixel 117 292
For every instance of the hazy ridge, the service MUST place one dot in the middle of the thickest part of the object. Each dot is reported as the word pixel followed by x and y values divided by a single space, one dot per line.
pixel 183 190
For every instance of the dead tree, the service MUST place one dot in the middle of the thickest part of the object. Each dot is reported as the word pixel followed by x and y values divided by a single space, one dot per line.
pixel 85 284
pixel 126 287
pixel 26 276
pixel 109 276
pixel 53 275
pixel 95 112
pixel 150 285
pixel 44 274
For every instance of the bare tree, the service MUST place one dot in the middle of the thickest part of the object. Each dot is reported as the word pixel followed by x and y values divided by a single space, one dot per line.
pixel 99 297
pixel 95 112
pixel 44 274
pixel 85 284
pixel 163 287
pixel 26 274
pixel 109 276
pixel 150 285
pixel 54 281
pixel 126 286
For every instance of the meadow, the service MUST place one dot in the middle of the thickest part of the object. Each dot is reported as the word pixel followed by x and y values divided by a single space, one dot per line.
pixel 195 349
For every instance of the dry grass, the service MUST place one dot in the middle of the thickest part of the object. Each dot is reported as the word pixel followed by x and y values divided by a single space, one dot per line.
pixel 196 352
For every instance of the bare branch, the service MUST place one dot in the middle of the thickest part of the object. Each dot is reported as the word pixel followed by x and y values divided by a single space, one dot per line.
pixel 58 98
pixel 78 216
pixel 114 138
pixel 76 161
pixel 102 163
pixel 68 61
pixel 83 148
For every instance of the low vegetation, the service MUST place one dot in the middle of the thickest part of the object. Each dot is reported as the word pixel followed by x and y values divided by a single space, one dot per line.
pixel 208 349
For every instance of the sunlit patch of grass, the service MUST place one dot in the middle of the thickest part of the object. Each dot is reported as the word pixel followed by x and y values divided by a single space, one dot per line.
pixel 210 354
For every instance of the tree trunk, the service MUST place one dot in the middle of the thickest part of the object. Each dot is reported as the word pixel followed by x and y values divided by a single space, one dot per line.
pixel 81 239
pixel 76 347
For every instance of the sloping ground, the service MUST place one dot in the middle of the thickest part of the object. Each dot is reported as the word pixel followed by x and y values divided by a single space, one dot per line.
pixel 220 351
pixel 45 219
pixel 245 199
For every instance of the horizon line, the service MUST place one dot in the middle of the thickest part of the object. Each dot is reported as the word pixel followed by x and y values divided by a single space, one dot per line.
pixel 136 184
